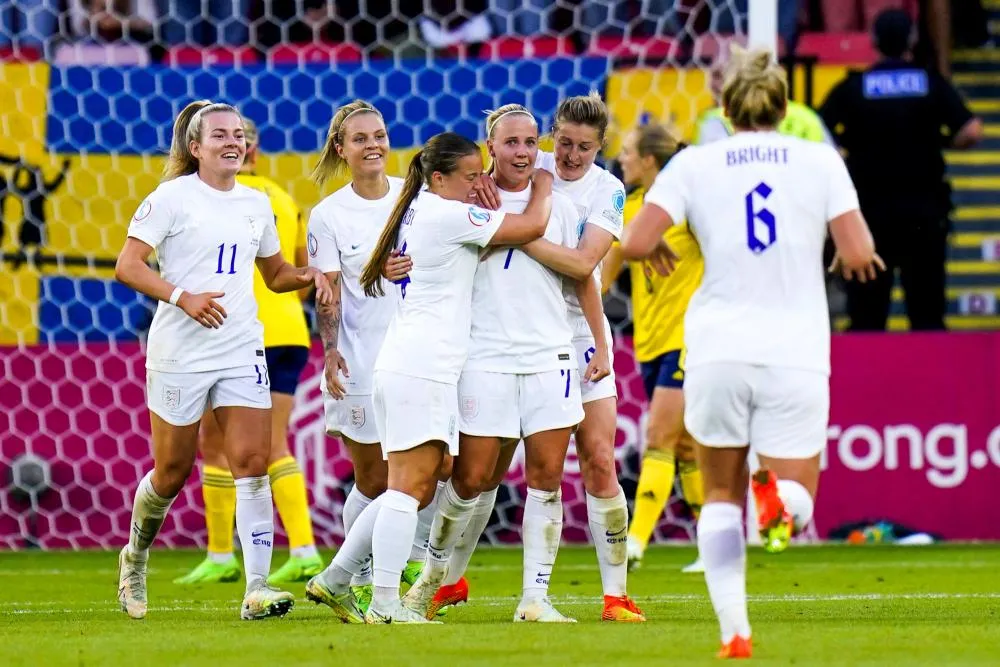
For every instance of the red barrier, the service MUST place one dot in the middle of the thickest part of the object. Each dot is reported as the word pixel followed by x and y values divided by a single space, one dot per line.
pixel 914 439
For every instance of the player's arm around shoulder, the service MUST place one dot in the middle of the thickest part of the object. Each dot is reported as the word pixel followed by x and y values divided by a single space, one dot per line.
pixel 521 228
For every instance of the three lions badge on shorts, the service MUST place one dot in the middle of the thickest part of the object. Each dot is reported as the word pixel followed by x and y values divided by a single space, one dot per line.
pixel 357 416
pixel 171 398
pixel 470 407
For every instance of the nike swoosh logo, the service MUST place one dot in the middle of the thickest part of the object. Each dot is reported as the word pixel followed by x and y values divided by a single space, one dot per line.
pixel 266 532
pixel 355 246
pixel 610 534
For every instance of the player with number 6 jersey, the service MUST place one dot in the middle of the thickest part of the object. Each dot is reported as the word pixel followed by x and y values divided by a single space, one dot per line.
pixel 757 329
pixel 520 381
pixel 206 344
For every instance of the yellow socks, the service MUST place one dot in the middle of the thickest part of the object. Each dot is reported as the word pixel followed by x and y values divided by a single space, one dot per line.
pixel 692 485
pixel 288 488
pixel 219 492
pixel 656 480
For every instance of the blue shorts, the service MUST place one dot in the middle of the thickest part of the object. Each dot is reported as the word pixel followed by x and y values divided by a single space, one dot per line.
pixel 285 364
pixel 664 371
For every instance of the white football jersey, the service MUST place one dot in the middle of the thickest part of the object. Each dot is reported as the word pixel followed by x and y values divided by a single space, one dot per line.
pixel 343 231
pixel 206 240
pixel 519 319
pixel 428 336
pixel 759 204
pixel 599 198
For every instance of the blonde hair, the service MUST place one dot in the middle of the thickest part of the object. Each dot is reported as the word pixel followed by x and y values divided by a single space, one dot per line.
pixel 250 132
pixel 657 140
pixel 587 109
pixel 441 153
pixel 187 128
pixel 330 163
pixel 755 89
pixel 493 116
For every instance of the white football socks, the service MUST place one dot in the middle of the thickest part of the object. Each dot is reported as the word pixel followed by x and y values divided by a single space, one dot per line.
pixel 608 519
pixel 391 541
pixel 541 532
pixel 355 554
pixel 450 521
pixel 722 546
pixel 255 526
pixel 797 501
pixel 466 546
pixel 425 518
pixel 355 504
pixel 149 510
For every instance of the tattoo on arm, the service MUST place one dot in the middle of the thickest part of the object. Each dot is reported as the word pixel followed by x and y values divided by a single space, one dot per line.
pixel 328 318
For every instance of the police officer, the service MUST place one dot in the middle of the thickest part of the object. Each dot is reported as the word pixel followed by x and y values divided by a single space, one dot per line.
pixel 888 120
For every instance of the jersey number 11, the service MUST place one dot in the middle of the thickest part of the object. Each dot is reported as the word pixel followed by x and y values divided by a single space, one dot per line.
pixel 232 259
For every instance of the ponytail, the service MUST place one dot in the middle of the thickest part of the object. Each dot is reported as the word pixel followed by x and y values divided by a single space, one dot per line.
pixel 441 154
pixel 330 162
pixel 371 275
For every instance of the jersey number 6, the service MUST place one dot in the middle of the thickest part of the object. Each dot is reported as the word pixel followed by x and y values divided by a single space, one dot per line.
pixel 762 231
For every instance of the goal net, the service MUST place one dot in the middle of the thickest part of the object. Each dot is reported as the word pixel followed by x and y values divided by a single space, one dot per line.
pixel 88 102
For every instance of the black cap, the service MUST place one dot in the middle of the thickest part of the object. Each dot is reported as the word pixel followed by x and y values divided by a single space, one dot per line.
pixel 893 30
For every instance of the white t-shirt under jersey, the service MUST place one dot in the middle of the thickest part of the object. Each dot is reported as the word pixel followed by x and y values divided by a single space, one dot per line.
pixel 429 335
pixel 206 240
pixel 519 319
pixel 759 204
pixel 599 198
pixel 343 230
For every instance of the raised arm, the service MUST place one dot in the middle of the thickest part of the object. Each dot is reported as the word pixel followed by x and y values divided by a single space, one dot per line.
pixel 521 228
pixel 576 263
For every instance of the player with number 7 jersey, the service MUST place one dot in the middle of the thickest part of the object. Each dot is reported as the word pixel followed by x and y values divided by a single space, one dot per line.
pixel 520 381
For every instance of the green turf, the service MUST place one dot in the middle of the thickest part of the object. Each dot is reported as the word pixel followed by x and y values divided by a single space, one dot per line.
pixel 810 606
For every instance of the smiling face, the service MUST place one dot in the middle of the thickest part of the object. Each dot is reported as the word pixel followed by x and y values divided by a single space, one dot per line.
pixel 514 147
pixel 576 147
pixel 221 148
pixel 457 184
pixel 364 144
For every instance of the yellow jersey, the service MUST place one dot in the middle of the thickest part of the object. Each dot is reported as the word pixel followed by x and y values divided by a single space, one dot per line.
pixel 281 314
pixel 658 302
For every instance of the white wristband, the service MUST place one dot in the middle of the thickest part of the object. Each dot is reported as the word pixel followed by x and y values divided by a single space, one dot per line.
pixel 176 295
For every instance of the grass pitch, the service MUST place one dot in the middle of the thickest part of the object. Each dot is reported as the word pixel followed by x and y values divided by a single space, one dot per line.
pixel 811 606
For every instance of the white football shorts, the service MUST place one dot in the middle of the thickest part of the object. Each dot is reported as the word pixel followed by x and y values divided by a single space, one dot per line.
pixel 410 411
pixel 516 405
pixel 180 398
pixel 780 412
pixel 594 391
pixel 352 417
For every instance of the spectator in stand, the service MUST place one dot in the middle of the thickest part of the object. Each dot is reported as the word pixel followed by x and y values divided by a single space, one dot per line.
pixel 447 23
pixel 206 22
pixel 889 121
pixel 364 23
pixel 106 21
pixel 28 23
